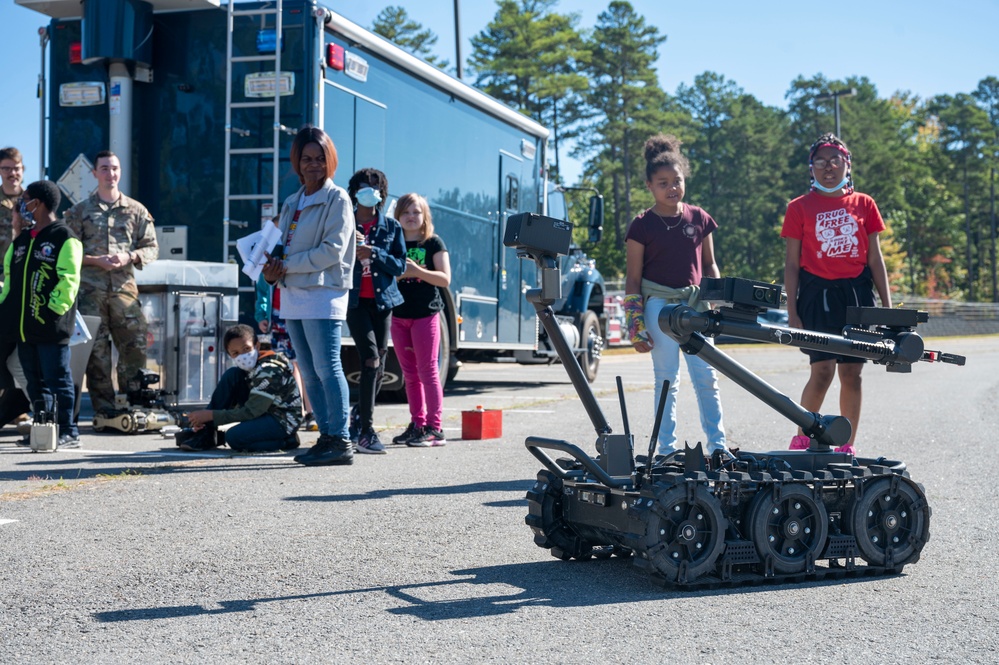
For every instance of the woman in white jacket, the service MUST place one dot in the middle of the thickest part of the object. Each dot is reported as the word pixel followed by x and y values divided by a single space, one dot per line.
pixel 314 270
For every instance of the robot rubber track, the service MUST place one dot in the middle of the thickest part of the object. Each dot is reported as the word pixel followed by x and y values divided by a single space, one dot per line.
pixel 728 519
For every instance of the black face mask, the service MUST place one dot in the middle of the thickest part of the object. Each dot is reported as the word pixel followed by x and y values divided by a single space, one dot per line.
pixel 26 215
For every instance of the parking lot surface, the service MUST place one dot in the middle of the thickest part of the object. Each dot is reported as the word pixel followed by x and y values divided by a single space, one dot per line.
pixel 130 550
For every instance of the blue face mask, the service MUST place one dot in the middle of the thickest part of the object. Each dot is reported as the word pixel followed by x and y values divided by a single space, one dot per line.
pixel 26 215
pixel 830 190
pixel 368 197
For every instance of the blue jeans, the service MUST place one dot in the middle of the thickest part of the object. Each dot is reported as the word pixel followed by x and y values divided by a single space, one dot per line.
pixel 666 367
pixel 263 433
pixel 317 345
pixel 46 369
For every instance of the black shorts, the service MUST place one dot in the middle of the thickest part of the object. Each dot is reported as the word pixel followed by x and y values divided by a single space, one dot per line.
pixel 822 307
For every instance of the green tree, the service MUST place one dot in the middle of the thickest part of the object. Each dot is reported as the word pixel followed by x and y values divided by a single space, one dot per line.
pixel 739 159
pixel 964 132
pixel 528 56
pixel 394 24
pixel 624 106
pixel 987 96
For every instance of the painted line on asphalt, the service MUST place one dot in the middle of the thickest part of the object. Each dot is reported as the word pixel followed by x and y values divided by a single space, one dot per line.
pixel 156 453
pixel 3 521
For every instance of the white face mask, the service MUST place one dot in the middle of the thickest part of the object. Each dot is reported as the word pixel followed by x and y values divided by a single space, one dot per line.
pixel 368 197
pixel 246 361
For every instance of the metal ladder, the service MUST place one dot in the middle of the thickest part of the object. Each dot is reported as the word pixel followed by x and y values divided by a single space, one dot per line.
pixel 273 8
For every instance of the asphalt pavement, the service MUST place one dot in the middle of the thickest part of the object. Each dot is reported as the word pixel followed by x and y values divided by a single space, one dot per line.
pixel 130 550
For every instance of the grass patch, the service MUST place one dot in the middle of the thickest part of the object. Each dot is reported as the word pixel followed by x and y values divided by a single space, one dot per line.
pixel 62 485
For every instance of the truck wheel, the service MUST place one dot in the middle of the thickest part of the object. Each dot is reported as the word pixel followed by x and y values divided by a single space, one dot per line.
pixel 591 340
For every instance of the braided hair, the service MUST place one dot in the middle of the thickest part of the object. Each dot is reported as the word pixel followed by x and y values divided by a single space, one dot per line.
pixel 832 141
pixel 663 151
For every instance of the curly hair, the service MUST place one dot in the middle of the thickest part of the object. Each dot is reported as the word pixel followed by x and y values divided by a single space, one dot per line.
pixel 663 151
pixel 46 192
pixel 831 140
pixel 371 177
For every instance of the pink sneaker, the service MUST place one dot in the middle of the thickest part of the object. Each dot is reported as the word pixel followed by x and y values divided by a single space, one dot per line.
pixel 800 442
pixel 847 449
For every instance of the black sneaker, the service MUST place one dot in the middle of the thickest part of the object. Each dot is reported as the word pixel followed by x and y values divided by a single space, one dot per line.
pixel 328 451
pixel 205 438
pixel 26 441
pixel 369 443
pixel 428 437
pixel 411 432
pixel 68 441
pixel 291 443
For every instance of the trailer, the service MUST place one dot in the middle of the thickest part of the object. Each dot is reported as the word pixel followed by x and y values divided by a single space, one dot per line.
pixel 201 102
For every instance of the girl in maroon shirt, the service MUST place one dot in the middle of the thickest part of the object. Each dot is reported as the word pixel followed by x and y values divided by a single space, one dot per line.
pixel 669 248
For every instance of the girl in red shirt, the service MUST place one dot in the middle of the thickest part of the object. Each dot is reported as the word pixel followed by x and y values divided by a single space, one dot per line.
pixel 833 261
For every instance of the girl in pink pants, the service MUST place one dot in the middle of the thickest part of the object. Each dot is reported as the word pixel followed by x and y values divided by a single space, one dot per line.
pixel 416 330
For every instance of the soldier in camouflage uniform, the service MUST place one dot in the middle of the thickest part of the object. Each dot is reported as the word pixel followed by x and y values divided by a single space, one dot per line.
pixel 260 393
pixel 12 171
pixel 118 237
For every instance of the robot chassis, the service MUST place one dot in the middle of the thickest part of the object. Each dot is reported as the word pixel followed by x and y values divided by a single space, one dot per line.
pixel 139 411
pixel 740 518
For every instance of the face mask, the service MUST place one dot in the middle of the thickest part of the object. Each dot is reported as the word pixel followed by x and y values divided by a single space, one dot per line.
pixel 368 197
pixel 830 190
pixel 26 215
pixel 246 361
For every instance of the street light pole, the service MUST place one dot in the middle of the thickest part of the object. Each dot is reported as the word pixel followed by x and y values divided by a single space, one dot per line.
pixel 459 70
pixel 845 92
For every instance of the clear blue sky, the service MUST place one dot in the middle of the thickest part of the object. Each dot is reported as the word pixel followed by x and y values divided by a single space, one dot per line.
pixel 927 48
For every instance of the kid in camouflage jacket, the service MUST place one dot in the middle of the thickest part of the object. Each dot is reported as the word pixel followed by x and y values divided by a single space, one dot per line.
pixel 272 390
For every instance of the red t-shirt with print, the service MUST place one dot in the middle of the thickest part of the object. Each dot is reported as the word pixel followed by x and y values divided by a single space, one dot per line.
pixel 367 284
pixel 834 232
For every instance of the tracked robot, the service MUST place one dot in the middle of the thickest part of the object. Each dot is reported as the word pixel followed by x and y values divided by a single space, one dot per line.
pixel 727 519
pixel 138 411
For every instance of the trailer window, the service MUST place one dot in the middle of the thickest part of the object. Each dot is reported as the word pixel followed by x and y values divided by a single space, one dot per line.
pixel 512 193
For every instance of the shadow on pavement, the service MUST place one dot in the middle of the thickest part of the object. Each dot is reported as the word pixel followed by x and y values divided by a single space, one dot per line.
pixel 490 591
pixel 495 486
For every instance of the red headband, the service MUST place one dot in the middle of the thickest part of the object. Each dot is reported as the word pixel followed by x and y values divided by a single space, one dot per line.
pixel 831 145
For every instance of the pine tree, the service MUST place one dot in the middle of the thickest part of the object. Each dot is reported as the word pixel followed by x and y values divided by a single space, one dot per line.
pixel 528 57
pixel 394 24
pixel 625 106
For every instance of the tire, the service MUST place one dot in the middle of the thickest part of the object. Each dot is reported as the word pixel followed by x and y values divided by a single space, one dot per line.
pixel 790 530
pixel 890 522
pixel 592 342
pixel 546 519
pixel 685 533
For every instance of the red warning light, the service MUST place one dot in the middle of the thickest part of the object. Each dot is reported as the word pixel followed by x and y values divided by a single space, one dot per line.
pixel 334 57
pixel 75 53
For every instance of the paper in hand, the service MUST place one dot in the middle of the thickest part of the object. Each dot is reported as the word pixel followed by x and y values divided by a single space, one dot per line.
pixel 254 247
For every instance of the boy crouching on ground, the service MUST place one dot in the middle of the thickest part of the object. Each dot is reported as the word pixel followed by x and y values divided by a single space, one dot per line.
pixel 259 393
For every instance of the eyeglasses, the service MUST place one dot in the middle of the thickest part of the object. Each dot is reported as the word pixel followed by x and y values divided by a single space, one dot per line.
pixel 11 169
pixel 835 161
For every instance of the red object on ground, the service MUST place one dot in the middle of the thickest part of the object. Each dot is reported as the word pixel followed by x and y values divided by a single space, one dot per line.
pixel 482 424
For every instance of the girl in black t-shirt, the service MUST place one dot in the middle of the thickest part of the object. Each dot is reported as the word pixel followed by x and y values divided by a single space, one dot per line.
pixel 416 332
